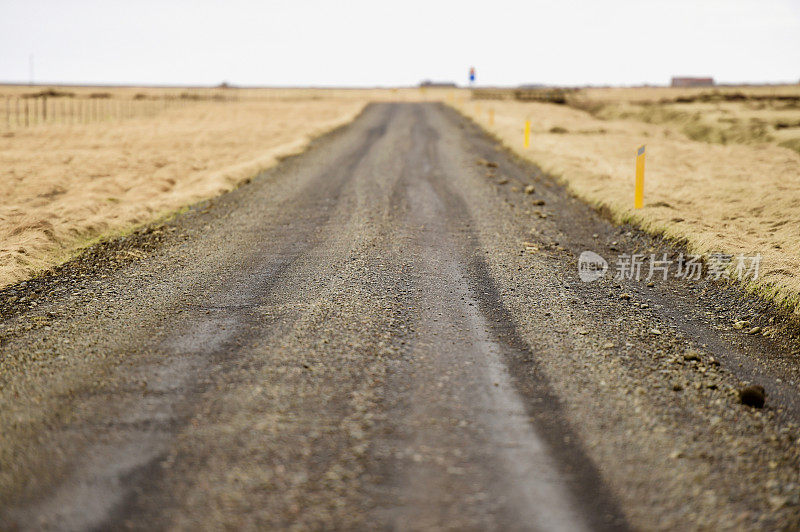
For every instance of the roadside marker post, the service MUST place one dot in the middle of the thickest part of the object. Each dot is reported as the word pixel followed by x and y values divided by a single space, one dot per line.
pixel 527 134
pixel 638 200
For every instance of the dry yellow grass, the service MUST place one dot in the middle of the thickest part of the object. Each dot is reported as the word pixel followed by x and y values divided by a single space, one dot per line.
pixel 657 94
pixel 67 184
pixel 768 114
pixel 240 94
pixel 731 198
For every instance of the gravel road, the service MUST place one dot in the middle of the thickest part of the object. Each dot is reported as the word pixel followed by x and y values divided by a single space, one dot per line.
pixel 389 332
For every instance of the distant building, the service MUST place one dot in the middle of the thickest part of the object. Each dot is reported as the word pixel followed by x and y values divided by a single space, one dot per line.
pixel 692 82
pixel 437 84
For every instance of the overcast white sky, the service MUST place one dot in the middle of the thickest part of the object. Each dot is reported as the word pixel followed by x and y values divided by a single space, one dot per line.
pixel 370 43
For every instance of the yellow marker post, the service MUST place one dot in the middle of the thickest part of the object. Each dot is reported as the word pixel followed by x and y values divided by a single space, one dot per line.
pixel 527 133
pixel 638 200
pixel 491 117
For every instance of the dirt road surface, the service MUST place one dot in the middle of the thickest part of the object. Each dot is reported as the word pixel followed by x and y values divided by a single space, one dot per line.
pixel 388 332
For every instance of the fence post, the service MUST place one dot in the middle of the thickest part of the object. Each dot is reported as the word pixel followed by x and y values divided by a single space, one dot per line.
pixel 638 196
pixel 527 140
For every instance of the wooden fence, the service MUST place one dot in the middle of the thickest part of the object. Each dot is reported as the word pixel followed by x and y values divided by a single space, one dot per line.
pixel 33 110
